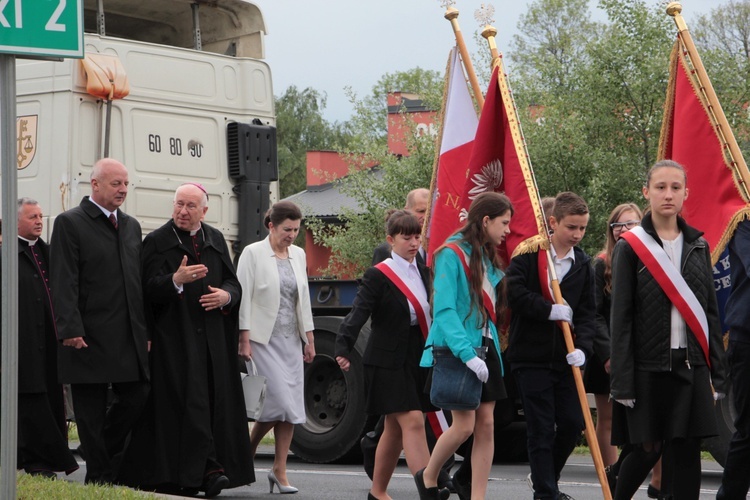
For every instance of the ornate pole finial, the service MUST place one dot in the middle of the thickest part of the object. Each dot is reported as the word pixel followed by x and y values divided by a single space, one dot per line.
pixel 451 14
pixel 485 14
pixel 674 8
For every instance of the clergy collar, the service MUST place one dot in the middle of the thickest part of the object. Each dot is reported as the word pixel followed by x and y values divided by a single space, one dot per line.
pixel 178 232
pixel 31 243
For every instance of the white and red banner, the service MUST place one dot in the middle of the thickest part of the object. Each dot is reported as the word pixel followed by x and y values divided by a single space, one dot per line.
pixel 459 126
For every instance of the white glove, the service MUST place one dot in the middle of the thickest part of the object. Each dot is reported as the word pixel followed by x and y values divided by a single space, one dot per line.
pixel 576 358
pixel 479 367
pixel 630 403
pixel 719 395
pixel 561 312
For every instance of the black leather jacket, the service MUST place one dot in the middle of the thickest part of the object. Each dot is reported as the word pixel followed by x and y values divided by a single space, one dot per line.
pixel 640 314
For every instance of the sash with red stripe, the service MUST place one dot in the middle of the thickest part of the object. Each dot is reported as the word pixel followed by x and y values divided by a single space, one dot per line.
pixel 672 283
pixel 487 299
pixel 543 267
pixel 437 420
pixel 423 317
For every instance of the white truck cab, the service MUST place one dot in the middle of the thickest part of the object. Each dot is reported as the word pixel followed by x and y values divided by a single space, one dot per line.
pixel 190 99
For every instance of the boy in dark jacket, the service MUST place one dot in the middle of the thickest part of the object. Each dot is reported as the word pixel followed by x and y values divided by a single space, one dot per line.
pixel 536 350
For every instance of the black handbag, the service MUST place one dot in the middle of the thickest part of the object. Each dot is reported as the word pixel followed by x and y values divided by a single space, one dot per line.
pixel 454 386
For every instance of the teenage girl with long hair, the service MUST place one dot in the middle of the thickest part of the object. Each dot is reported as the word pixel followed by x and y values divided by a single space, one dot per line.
pixel 462 323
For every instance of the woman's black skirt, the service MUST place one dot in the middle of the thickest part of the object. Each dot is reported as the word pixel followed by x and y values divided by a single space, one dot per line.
pixel 668 405
pixel 396 390
pixel 595 377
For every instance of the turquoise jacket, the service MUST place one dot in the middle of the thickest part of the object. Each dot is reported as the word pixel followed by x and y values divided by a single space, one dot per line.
pixel 452 324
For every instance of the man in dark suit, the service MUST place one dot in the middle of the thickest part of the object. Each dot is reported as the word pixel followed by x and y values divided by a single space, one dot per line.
pixel 95 256
pixel 193 434
pixel 416 203
pixel 42 430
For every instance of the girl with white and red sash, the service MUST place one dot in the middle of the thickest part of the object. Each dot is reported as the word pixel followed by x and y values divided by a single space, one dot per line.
pixel 395 296
pixel 467 301
pixel 666 364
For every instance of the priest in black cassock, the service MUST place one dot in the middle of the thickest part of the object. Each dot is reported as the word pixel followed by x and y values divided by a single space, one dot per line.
pixel 194 433
pixel 42 430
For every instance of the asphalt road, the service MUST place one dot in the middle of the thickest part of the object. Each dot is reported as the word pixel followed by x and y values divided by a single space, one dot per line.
pixel 346 482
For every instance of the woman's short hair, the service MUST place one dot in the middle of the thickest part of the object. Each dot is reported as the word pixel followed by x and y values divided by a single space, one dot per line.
pixel 281 211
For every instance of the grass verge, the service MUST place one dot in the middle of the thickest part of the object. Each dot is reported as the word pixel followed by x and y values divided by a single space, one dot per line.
pixel 32 488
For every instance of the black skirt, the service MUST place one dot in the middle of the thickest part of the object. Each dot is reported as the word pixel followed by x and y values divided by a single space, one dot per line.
pixel 668 405
pixel 494 388
pixel 595 377
pixel 396 390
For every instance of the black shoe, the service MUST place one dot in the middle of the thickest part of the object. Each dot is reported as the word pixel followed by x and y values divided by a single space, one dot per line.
pixel 462 490
pixel 444 494
pixel 564 496
pixel 214 483
pixel 189 492
pixel 425 493
pixel 652 492
pixel 47 474
pixel 611 479
pixel 443 479
pixel 368 444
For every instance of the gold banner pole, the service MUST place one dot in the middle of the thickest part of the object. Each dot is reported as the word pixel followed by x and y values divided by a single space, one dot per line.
pixel 519 143
pixel 715 111
pixel 451 14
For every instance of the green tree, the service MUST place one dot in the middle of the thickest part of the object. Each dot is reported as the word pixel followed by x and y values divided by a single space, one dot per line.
pixel 723 39
pixel 553 43
pixel 300 128
pixel 592 99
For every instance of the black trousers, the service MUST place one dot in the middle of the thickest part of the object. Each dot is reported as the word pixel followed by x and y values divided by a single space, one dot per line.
pixel 553 423
pixel 103 430
pixel 736 479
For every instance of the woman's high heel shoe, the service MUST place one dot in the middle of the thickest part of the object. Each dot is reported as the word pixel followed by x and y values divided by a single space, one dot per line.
pixel 282 489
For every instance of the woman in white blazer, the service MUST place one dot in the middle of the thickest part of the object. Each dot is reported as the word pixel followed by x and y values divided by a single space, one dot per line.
pixel 276 328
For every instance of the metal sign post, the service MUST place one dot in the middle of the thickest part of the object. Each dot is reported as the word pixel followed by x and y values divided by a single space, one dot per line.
pixel 9 360
pixel 41 29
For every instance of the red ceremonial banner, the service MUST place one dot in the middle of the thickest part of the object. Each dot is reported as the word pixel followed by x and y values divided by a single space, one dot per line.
pixel 714 203
pixel 496 166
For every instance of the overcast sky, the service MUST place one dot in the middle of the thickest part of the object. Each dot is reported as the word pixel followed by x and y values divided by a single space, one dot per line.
pixel 332 44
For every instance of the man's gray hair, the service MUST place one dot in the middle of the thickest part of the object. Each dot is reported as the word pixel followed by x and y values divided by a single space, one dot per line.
pixel 25 201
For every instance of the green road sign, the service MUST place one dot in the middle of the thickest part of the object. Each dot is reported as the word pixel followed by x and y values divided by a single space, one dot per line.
pixel 42 27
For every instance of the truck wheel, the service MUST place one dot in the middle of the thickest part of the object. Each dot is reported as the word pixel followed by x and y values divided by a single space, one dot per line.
pixel 725 415
pixel 334 404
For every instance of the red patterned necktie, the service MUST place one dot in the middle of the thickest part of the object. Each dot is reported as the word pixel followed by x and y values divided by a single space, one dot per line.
pixel 113 220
